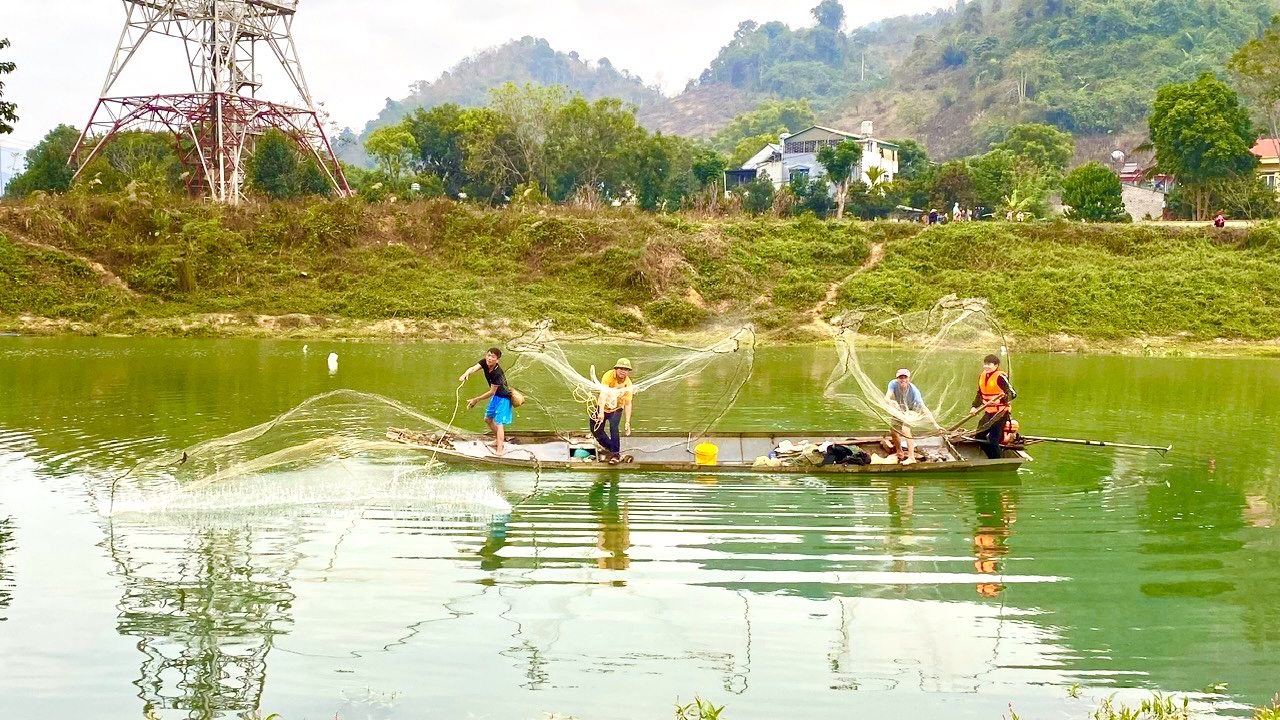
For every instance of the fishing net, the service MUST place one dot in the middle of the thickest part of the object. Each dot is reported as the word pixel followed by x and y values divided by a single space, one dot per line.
pixel 675 382
pixel 331 449
pixel 943 347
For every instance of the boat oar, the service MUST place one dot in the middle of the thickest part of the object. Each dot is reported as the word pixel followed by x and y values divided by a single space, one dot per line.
pixel 967 418
pixel 1100 443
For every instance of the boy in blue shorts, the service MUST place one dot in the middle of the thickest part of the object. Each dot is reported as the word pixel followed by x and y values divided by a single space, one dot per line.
pixel 498 412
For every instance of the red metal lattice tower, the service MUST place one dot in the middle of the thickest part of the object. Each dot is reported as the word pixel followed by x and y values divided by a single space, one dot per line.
pixel 217 123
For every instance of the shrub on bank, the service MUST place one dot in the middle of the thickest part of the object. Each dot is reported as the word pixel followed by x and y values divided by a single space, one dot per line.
pixel 674 314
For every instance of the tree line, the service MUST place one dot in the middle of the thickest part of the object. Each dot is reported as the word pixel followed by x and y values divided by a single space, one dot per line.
pixel 537 143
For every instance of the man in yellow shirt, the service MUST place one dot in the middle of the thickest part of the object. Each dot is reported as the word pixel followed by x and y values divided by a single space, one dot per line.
pixel 612 405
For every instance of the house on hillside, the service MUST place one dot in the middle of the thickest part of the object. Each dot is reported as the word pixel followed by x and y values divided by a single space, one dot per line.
pixel 796 156
pixel 767 162
pixel 1132 173
pixel 1137 176
pixel 1268 152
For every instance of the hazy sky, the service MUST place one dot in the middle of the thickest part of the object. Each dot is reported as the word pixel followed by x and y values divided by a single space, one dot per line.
pixel 357 53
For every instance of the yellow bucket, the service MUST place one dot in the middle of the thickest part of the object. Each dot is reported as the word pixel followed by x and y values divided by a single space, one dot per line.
pixel 705 453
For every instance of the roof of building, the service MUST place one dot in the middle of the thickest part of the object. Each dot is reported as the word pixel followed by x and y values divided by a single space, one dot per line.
pixel 1266 148
pixel 762 156
pixel 833 131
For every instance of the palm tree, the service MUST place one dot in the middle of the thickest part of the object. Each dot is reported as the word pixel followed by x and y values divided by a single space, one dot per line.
pixel 877 180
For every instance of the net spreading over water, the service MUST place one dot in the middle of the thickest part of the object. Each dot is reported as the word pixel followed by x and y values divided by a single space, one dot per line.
pixel 942 347
pixel 329 450
pixel 578 365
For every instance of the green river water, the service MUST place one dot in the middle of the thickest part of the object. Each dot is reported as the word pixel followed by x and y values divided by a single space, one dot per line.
pixel 356 585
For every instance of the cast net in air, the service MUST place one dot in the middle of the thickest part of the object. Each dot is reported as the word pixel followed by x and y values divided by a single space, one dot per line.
pixel 943 347
pixel 689 388
pixel 330 450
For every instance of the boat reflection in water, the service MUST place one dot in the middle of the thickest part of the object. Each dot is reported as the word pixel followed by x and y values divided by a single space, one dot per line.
pixel 792 590
pixel 732 585
pixel 6 579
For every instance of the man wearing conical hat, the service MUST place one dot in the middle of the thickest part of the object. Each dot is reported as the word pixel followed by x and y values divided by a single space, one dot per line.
pixel 613 405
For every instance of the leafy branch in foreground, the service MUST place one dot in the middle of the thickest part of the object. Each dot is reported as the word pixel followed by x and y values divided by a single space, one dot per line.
pixel 699 709
pixel 8 111
pixel 1159 707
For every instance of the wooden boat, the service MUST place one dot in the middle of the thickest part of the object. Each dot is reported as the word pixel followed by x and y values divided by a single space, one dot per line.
pixel 735 452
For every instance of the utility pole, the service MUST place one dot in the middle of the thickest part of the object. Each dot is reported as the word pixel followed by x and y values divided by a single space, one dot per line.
pixel 13 169
pixel 217 122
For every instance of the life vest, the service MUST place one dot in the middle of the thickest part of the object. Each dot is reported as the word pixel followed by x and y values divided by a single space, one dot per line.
pixel 1011 436
pixel 989 387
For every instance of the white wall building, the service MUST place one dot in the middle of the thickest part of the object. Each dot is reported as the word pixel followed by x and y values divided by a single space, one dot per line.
pixel 797 156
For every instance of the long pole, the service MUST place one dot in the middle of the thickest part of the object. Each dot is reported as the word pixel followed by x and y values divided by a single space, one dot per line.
pixel 972 415
pixel 1100 443
pixel 13 170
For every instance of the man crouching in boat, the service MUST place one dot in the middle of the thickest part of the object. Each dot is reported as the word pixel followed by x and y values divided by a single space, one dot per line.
pixel 613 404
pixel 904 397
pixel 498 413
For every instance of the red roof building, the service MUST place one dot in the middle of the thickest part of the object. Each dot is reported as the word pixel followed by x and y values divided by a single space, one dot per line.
pixel 1268 152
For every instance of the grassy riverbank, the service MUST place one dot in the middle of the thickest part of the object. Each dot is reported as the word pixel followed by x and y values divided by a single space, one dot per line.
pixel 438 269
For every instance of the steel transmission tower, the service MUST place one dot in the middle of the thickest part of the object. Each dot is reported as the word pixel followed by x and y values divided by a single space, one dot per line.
pixel 218 122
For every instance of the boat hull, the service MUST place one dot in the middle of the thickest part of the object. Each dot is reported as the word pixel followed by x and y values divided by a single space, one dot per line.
pixel 739 452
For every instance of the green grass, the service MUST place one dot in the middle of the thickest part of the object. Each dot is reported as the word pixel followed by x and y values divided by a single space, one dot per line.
pixel 1095 282
pixel 439 263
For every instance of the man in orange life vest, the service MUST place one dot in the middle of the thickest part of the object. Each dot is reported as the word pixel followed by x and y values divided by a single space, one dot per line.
pixel 993 398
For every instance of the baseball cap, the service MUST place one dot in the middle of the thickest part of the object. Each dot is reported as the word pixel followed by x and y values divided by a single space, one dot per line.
pixel 902 372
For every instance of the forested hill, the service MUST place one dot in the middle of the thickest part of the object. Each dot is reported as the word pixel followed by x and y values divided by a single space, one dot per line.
pixel 519 61
pixel 1091 67
pixel 953 79
pixel 822 63
pixel 956 78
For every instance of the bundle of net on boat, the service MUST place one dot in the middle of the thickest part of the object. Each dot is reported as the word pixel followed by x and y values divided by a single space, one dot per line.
pixel 330 449
pixel 681 387
pixel 943 348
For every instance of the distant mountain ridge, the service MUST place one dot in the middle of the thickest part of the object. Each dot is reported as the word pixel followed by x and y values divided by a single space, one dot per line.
pixel 822 64
pixel 520 61
pixel 957 77
pixel 1091 67
pixel 953 79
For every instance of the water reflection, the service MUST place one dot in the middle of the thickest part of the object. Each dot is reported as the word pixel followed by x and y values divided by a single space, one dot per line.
pixel 495 540
pixel 1112 570
pixel 996 511
pixel 206 608
pixel 900 537
pixel 614 535
pixel 6 578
